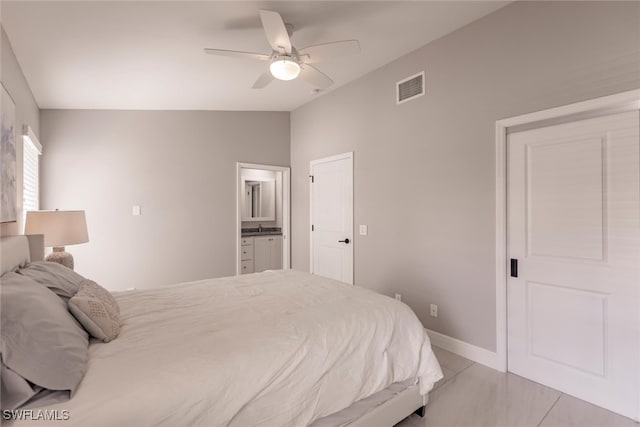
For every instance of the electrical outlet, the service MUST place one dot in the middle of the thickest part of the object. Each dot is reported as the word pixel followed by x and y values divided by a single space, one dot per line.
pixel 399 297
pixel 137 210
pixel 434 310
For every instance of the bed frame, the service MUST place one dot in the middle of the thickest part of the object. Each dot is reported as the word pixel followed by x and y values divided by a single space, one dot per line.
pixel 394 410
pixel 16 251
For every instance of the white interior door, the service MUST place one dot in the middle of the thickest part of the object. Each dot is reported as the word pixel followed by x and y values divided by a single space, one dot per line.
pixel 332 217
pixel 574 228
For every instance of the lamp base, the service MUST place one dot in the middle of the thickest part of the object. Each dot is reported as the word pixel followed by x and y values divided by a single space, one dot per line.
pixel 61 257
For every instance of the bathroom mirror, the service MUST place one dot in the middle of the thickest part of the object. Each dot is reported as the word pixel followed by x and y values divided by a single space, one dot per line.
pixel 259 201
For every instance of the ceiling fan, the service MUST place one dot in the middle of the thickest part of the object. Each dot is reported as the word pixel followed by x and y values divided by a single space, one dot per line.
pixel 287 63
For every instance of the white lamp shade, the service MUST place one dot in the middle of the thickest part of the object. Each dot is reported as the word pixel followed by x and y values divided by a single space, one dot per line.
pixel 284 69
pixel 60 228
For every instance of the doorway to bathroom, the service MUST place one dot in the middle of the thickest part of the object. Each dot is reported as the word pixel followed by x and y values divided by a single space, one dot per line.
pixel 263 218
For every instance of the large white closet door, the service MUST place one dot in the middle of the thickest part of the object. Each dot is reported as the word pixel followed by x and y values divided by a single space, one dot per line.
pixel 332 217
pixel 574 228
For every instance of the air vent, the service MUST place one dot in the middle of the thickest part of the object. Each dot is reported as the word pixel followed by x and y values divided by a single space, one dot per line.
pixel 410 88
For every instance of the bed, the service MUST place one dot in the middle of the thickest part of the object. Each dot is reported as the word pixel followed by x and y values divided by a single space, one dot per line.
pixel 279 348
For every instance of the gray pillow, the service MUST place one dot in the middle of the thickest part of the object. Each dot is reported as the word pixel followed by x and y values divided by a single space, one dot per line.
pixel 63 281
pixel 97 310
pixel 40 339
pixel 16 391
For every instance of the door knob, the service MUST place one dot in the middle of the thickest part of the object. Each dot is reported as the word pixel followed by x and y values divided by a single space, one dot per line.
pixel 344 241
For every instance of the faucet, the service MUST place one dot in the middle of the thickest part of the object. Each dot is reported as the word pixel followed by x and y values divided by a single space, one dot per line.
pixel 259 228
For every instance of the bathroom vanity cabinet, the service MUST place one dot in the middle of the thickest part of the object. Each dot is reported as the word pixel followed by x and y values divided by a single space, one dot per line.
pixel 260 253
pixel 267 253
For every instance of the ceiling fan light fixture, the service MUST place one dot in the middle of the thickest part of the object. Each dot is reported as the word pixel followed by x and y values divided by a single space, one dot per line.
pixel 284 69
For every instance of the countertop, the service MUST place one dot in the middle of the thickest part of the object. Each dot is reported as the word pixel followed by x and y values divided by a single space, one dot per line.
pixel 265 231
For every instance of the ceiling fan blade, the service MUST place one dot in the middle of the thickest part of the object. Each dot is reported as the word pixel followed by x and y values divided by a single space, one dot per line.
pixel 263 80
pixel 322 52
pixel 275 30
pixel 312 75
pixel 238 54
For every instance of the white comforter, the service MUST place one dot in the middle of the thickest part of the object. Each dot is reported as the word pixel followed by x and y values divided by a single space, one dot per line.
pixel 276 349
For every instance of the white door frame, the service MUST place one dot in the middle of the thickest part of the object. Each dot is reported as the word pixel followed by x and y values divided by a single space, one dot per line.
pixel 286 210
pixel 312 163
pixel 624 101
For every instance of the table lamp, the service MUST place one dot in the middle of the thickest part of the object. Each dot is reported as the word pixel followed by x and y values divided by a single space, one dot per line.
pixel 60 228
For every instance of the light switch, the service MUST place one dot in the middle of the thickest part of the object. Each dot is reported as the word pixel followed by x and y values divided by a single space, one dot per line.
pixel 363 230
pixel 137 210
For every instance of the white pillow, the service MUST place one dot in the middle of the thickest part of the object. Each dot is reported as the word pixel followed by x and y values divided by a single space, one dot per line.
pixel 97 310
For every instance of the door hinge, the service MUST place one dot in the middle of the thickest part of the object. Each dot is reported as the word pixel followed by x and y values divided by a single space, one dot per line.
pixel 311 227
pixel 312 179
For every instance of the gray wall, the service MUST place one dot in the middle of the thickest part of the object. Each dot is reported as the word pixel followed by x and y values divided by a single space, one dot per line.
pixel 424 170
pixel 27 112
pixel 180 166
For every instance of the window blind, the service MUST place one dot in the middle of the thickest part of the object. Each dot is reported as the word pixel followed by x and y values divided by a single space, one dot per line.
pixel 30 173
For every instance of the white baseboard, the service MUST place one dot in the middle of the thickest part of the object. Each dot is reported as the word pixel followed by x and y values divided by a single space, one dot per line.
pixel 466 350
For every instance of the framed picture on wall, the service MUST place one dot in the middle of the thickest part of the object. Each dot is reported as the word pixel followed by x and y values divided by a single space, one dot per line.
pixel 8 166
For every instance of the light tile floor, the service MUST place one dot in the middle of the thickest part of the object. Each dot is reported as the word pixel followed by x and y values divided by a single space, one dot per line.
pixel 472 395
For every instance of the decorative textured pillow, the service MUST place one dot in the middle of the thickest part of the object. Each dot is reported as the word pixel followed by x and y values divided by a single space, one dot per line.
pixel 97 310
pixel 63 281
pixel 41 341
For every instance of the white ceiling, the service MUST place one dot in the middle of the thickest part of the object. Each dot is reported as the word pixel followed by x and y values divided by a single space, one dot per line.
pixel 149 55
